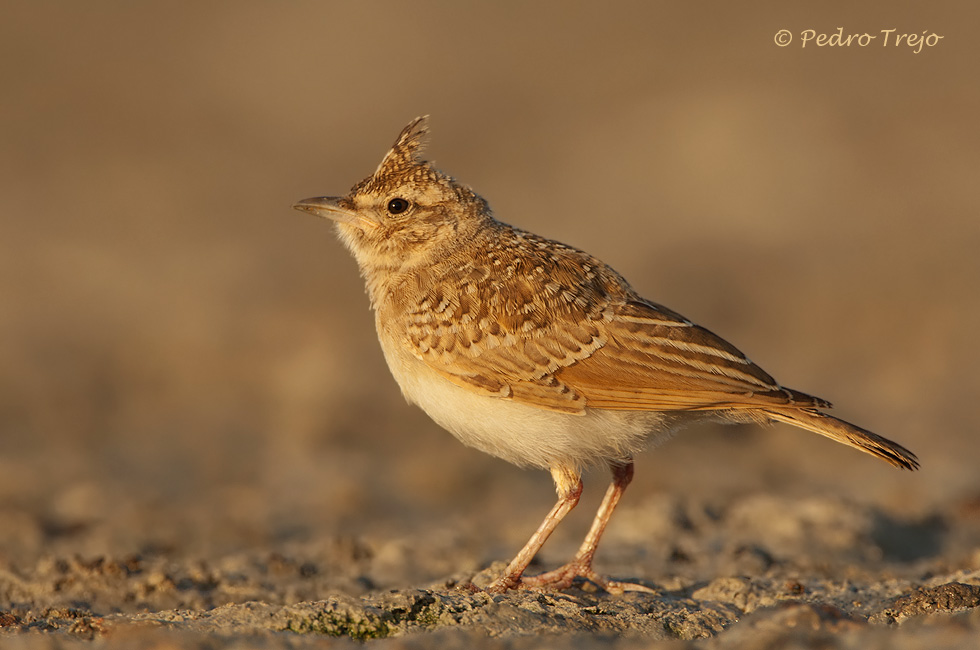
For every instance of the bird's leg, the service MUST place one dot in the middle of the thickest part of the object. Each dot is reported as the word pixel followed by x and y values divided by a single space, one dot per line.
pixel 581 565
pixel 569 486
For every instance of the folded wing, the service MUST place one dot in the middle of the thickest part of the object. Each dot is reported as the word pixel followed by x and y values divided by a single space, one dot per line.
pixel 654 359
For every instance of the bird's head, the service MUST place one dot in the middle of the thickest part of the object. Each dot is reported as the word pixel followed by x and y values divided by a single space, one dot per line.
pixel 407 213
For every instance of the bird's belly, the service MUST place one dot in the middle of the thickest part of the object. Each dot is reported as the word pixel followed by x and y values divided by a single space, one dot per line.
pixel 520 433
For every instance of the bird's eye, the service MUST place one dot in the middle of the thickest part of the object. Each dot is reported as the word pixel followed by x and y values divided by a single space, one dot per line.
pixel 397 205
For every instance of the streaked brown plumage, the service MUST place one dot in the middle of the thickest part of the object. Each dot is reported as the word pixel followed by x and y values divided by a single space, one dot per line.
pixel 537 352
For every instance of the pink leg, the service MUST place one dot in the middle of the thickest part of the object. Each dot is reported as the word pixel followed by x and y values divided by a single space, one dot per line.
pixel 581 565
pixel 569 486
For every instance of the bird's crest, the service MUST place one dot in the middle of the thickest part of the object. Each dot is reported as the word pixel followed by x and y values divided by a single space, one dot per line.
pixel 404 154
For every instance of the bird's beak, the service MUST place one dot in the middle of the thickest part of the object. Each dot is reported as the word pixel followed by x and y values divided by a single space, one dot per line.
pixel 330 207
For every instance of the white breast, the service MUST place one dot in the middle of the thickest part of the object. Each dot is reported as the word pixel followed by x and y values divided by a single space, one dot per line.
pixel 517 432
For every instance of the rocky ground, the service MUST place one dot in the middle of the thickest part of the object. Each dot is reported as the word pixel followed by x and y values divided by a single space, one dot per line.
pixel 753 571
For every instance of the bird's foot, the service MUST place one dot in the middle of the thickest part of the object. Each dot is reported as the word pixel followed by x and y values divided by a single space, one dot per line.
pixel 563 578
pixel 505 583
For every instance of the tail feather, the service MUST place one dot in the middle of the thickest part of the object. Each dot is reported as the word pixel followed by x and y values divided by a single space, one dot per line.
pixel 848 434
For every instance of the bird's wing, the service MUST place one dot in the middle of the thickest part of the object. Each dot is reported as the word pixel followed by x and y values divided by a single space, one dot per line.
pixel 510 339
pixel 563 341
pixel 656 360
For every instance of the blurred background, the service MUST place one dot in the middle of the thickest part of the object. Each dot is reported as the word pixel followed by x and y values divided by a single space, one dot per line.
pixel 186 362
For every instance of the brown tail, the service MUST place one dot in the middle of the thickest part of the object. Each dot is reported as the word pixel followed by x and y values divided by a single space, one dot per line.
pixel 848 434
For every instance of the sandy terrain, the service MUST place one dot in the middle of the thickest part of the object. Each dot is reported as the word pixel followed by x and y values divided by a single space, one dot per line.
pixel 201 447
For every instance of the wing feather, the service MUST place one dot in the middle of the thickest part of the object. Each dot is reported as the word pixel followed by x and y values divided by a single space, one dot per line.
pixel 565 332
pixel 657 360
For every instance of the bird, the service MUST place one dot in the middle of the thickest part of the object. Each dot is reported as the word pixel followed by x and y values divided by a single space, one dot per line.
pixel 540 354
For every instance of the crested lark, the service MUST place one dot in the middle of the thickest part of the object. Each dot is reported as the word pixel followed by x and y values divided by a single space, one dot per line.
pixel 539 353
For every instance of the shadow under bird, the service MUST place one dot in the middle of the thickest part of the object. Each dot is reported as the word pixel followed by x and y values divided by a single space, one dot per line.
pixel 539 353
